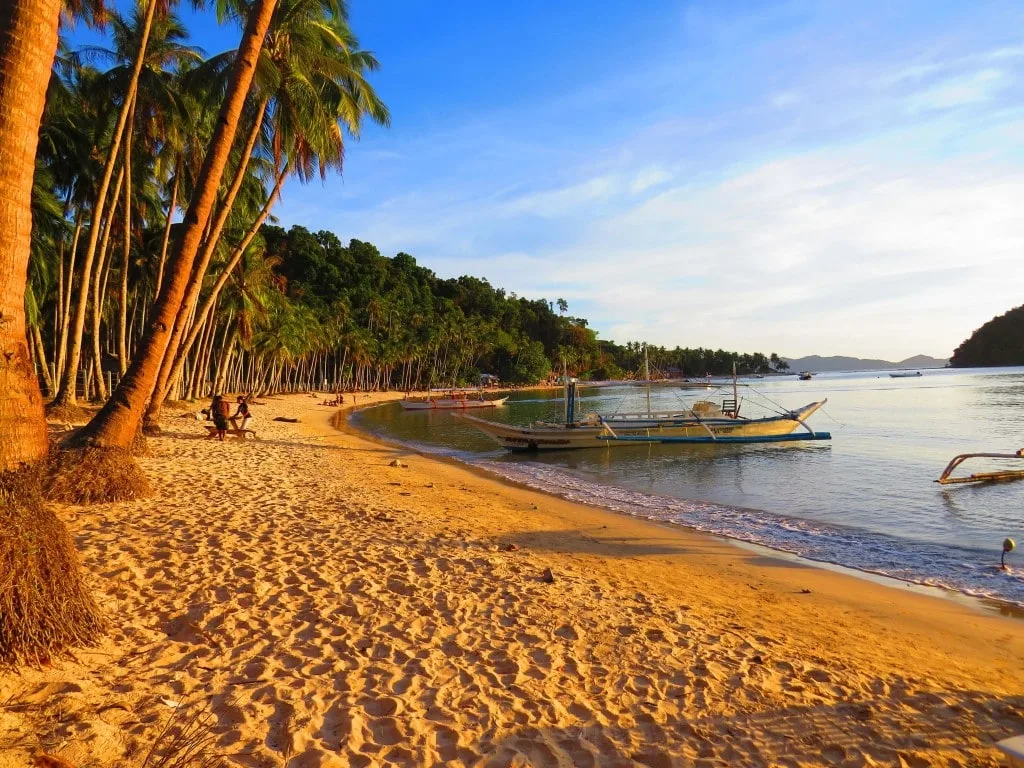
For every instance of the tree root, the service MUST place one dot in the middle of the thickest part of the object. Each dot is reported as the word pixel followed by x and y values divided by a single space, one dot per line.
pixel 94 476
pixel 45 608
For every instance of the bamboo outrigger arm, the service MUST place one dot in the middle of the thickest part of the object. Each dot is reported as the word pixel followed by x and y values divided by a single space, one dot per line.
pixel 981 477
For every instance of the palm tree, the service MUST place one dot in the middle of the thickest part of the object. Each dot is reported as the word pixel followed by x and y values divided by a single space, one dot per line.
pixel 67 395
pixel 43 606
pixel 28 44
pixel 311 77
pixel 117 423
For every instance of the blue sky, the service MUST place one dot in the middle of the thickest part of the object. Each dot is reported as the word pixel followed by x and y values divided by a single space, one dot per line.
pixel 798 177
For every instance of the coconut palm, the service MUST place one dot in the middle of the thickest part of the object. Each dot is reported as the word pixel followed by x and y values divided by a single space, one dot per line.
pixel 66 396
pixel 43 606
pixel 116 424
pixel 311 78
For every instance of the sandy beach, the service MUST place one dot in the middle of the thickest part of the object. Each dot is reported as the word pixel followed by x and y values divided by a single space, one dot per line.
pixel 316 606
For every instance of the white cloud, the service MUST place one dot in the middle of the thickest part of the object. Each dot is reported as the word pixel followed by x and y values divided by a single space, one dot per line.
pixel 649 178
pixel 957 91
pixel 784 99
pixel 563 201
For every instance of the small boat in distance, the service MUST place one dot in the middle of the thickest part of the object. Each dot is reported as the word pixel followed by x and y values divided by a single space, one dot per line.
pixel 904 375
pixel 805 375
pixel 451 399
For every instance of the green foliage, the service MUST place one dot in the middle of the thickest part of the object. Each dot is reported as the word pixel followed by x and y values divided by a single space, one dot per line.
pixel 412 329
pixel 1000 341
pixel 531 365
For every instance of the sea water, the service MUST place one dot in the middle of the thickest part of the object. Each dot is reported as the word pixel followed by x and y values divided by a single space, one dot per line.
pixel 865 500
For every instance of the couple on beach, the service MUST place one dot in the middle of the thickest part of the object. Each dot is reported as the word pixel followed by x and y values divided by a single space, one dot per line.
pixel 220 412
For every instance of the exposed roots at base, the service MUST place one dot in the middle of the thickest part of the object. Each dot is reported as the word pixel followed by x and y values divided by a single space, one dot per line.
pixel 45 608
pixel 68 413
pixel 94 476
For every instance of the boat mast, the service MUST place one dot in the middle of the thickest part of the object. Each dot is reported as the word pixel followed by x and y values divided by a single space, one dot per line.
pixel 647 377
pixel 565 395
pixel 735 393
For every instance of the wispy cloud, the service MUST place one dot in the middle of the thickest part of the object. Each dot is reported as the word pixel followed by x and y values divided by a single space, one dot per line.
pixel 959 91
pixel 648 179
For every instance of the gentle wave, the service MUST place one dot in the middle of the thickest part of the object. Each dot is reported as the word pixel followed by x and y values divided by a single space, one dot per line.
pixel 972 571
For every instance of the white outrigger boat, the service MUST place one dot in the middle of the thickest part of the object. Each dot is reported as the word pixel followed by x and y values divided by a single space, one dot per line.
pixel 703 422
pixel 904 375
pixel 451 399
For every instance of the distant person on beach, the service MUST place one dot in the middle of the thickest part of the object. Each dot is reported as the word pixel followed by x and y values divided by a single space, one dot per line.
pixel 241 412
pixel 219 410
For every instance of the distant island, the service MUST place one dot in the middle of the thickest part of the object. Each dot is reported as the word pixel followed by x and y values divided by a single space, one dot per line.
pixel 1000 341
pixel 818 363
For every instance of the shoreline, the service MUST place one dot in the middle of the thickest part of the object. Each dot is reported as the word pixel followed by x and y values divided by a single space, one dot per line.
pixel 325 608
pixel 982 603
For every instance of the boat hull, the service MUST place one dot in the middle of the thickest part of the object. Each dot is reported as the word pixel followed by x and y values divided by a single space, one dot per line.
pixel 610 434
pixel 448 404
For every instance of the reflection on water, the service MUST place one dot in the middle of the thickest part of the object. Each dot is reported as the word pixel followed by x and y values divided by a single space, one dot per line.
pixel 871 487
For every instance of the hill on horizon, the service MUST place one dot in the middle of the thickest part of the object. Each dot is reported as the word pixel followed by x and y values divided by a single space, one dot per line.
pixel 1000 341
pixel 817 363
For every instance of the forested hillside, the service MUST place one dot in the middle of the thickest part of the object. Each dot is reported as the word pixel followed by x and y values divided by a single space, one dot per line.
pixel 389 322
pixel 1000 341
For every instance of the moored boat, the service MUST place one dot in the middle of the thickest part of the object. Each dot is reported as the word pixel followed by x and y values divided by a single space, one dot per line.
pixel 598 432
pixel 703 422
pixel 451 399
pixel 904 375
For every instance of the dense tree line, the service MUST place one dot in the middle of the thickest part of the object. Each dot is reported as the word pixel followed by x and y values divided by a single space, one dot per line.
pixel 1000 341
pixel 347 316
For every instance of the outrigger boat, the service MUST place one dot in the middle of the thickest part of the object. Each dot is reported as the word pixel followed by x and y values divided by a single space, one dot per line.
pixel 702 423
pixel 451 399
pixel 904 375
pixel 981 477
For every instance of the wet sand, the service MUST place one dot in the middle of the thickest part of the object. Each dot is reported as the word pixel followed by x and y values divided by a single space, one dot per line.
pixel 328 609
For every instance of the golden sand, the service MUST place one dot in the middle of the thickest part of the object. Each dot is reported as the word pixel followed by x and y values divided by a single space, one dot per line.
pixel 326 609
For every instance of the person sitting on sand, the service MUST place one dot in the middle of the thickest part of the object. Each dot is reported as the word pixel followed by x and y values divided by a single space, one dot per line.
pixel 241 412
pixel 219 410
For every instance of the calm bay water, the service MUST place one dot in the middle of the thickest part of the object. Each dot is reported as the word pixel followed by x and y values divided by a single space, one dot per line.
pixel 864 500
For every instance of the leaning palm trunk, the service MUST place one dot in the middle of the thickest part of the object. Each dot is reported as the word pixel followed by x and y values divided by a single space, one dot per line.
pixel 167 229
pixel 188 305
pixel 122 294
pixel 65 307
pixel 99 294
pixel 116 424
pixel 66 396
pixel 44 608
pixel 204 311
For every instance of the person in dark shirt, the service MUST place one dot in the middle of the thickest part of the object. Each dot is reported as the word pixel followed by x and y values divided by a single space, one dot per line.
pixel 241 412
pixel 219 410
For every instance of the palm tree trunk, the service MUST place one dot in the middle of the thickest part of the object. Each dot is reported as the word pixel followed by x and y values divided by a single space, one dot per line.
pixel 160 393
pixel 195 285
pixel 99 293
pixel 167 228
pixel 51 609
pixel 65 308
pixel 122 294
pixel 66 395
pixel 117 422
